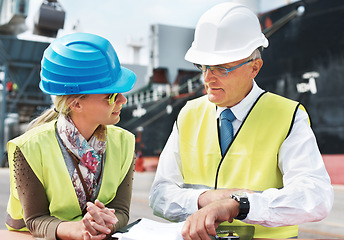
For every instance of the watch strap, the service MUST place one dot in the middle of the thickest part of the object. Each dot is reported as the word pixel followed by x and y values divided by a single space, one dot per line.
pixel 244 206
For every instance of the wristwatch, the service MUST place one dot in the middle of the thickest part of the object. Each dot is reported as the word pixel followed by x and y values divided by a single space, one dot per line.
pixel 244 205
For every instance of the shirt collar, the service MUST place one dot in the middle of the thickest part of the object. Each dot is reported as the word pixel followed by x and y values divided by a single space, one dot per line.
pixel 242 108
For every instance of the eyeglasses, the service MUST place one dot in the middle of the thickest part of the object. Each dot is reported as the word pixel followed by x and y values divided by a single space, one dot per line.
pixel 112 98
pixel 219 71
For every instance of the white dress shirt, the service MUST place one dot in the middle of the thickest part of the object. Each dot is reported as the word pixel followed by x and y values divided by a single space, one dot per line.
pixel 307 194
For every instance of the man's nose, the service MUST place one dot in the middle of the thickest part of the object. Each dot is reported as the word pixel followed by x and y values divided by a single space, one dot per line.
pixel 209 76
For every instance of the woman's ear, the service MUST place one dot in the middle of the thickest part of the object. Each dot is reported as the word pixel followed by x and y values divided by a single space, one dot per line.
pixel 256 66
pixel 75 105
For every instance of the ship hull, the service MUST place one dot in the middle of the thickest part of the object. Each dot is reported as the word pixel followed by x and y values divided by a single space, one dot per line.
pixel 305 62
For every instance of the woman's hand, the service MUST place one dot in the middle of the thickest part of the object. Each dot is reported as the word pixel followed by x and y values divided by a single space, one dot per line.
pixel 71 230
pixel 98 221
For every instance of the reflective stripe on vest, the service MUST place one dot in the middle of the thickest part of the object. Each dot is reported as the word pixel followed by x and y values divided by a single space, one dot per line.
pixel 250 161
pixel 43 153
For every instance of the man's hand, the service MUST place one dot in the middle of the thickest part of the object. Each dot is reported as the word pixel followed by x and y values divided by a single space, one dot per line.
pixel 211 196
pixel 98 221
pixel 204 222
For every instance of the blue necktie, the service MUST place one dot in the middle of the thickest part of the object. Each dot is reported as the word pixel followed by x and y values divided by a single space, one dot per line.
pixel 226 129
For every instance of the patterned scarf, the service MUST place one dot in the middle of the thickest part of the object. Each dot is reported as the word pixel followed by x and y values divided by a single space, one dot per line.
pixel 88 152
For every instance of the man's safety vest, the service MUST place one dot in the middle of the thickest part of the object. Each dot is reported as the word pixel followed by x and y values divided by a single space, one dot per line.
pixel 42 152
pixel 251 160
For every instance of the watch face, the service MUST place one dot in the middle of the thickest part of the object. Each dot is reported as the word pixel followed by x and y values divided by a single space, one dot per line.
pixel 240 194
pixel 236 196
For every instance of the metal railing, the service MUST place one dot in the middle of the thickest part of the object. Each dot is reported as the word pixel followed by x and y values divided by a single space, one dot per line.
pixel 161 92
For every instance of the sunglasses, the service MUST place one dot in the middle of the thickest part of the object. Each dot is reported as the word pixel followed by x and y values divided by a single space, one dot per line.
pixel 220 71
pixel 112 98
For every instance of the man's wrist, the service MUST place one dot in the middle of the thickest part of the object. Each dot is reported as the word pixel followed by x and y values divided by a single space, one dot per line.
pixel 200 200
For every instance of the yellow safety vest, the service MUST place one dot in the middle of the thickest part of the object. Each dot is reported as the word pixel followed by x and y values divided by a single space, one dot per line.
pixel 251 161
pixel 42 151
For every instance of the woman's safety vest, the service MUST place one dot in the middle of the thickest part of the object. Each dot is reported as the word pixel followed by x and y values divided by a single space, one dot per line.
pixel 42 152
pixel 251 160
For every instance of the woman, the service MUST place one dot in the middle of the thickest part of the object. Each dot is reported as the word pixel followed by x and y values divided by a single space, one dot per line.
pixel 71 173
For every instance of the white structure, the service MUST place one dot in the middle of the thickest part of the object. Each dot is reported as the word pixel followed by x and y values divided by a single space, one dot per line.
pixel 12 16
pixel 135 47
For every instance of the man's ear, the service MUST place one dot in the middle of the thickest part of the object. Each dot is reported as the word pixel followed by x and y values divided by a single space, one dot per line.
pixel 256 66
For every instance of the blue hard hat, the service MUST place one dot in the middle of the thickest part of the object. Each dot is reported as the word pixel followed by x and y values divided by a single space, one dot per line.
pixel 83 63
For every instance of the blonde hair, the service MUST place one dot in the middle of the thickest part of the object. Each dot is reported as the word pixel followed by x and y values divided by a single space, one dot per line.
pixel 61 107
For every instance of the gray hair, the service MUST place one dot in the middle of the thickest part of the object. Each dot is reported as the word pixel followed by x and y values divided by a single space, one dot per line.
pixel 255 55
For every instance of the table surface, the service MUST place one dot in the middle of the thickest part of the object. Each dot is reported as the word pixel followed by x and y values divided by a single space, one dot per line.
pixel 9 235
pixel 13 235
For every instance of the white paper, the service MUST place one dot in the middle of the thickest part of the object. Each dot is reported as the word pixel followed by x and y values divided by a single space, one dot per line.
pixel 148 229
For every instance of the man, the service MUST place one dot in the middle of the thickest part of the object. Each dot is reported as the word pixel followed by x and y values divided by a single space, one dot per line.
pixel 271 174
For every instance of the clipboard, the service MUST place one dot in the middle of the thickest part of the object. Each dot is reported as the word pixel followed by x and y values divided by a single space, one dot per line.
pixel 244 232
pixel 127 228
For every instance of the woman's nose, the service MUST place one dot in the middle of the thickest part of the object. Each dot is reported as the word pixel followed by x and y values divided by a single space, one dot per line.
pixel 121 99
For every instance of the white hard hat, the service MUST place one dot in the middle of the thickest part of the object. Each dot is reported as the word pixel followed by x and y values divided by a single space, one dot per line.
pixel 226 33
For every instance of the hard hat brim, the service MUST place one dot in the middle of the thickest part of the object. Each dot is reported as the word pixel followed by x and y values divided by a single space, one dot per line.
pixel 125 82
pixel 202 57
